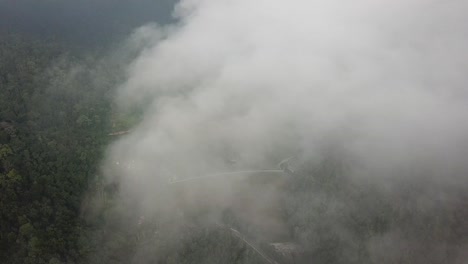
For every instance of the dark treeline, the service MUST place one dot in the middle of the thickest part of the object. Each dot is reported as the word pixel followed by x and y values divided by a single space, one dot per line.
pixel 53 124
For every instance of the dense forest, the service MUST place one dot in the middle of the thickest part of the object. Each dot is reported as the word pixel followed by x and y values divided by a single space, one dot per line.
pixel 60 117
pixel 54 125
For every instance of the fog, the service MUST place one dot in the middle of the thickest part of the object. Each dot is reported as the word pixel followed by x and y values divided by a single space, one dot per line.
pixel 382 83
pixel 242 85
pixel 338 129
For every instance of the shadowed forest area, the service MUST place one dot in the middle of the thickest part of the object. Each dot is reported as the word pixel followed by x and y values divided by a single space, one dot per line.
pixel 99 164
pixel 54 123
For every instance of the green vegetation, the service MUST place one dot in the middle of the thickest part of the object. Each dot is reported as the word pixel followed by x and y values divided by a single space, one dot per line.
pixel 53 116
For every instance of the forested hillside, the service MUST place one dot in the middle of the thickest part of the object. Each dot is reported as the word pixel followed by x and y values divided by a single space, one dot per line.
pixel 54 117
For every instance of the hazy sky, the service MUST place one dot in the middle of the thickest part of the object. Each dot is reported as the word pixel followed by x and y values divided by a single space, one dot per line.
pixel 83 21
